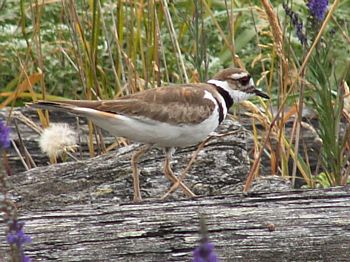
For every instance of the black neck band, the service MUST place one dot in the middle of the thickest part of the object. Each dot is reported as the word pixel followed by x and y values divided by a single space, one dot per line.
pixel 228 99
pixel 221 110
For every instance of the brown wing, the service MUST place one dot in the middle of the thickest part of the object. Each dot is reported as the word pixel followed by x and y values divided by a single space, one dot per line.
pixel 175 104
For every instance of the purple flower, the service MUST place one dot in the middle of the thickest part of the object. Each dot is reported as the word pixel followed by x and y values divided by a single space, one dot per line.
pixel 205 253
pixel 297 23
pixel 26 259
pixel 16 236
pixel 4 136
pixel 318 8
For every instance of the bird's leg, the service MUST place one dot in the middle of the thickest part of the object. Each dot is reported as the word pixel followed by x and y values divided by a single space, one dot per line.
pixel 135 173
pixel 182 176
pixel 193 158
pixel 170 175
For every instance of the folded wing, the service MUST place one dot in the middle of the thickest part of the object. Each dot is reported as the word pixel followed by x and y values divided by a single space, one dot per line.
pixel 178 104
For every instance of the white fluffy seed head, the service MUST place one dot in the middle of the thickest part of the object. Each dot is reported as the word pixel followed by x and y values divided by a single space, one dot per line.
pixel 58 138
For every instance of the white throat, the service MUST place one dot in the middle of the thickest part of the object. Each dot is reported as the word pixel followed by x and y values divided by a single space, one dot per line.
pixel 236 95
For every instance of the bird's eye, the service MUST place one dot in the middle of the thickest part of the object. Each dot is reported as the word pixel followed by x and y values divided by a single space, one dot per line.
pixel 244 80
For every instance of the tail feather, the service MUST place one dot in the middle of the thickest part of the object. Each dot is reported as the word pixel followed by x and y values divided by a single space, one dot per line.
pixel 68 107
pixel 57 106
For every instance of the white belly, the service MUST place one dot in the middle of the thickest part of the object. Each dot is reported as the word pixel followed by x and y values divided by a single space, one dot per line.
pixel 155 132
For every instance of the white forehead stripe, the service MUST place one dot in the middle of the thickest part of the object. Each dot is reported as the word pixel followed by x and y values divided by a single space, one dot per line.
pixel 237 76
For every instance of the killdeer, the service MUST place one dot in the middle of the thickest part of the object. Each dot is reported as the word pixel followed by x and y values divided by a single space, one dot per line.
pixel 168 117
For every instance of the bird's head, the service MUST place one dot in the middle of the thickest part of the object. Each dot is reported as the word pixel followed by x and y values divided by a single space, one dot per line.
pixel 237 83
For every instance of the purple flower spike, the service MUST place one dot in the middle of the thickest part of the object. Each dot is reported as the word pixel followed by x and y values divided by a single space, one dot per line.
pixel 4 136
pixel 26 259
pixel 297 23
pixel 318 8
pixel 16 236
pixel 205 253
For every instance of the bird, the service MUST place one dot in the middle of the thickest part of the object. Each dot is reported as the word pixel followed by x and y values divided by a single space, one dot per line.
pixel 169 117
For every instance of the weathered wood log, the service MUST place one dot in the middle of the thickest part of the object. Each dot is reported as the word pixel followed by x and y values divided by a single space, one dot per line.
pixel 81 211
pixel 309 225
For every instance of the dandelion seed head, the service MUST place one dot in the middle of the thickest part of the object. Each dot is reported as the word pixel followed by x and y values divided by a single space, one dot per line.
pixel 58 138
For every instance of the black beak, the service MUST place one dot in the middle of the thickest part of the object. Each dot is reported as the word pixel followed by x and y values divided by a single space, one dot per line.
pixel 261 94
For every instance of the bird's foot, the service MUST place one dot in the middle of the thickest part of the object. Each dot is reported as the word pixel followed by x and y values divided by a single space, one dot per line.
pixel 137 199
pixel 188 192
